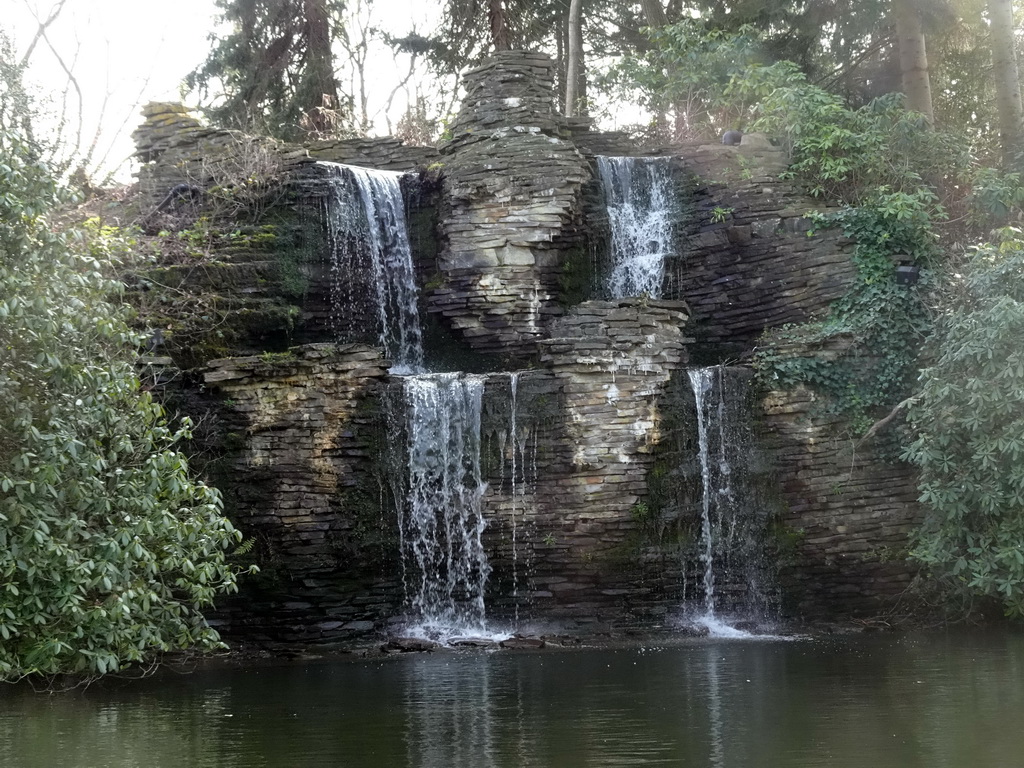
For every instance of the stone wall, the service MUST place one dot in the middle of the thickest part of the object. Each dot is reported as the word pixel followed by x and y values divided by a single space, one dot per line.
pixel 508 233
pixel 613 362
pixel 299 434
pixel 565 541
pixel 752 259
pixel 512 209
pixel 567 451
pixel 174 147
pixel 847 512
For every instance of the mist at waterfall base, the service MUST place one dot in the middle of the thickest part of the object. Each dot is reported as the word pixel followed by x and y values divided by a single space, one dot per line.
pixel 437 482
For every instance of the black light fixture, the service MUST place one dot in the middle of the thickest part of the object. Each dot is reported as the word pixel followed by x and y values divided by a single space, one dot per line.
pixel 907 274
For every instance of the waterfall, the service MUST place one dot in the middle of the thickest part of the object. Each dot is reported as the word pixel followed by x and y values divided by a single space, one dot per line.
pixel 441 520
pixel 519 484
pixel 641 205
pixel 732 527
pixel 700 381
pixel 368 235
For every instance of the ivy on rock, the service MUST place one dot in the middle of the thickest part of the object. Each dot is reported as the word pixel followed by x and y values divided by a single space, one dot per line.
pixel 876 330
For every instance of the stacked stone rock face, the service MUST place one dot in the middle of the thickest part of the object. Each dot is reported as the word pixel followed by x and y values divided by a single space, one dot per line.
pixel 300 467
pixel 612 362
pixel 173 147
pixel 517 215
pixel 752 259
pixel 512 183
pixel 749 257
pixel 850 512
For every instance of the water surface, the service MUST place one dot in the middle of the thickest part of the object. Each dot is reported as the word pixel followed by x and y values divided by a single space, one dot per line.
pixel 870 702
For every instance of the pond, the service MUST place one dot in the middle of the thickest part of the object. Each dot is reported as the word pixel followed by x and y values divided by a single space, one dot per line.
pixel 875 701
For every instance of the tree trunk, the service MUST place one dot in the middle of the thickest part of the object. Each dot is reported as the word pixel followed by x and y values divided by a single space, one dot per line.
pixel 322 90
pixel 654 13
pixel 574 70
pixel 562 44
pixel 499 26
pixel 657 18
pixel 1004 66
pixel 913 58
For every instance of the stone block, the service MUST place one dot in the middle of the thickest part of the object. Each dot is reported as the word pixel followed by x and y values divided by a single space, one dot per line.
pixel 516 256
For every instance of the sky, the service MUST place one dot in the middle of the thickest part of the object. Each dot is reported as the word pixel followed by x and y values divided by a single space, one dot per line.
pixel 127 52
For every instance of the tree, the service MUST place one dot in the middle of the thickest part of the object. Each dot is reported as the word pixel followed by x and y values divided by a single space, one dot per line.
pixel 842 45
pixel 913 58
pixel 654 13
pixel 275 67
pixel 109 549
pixel 470 29
pixel 318 95
pixel 497 17
pixel 1007 80
pixel 574 69
pixel 688 73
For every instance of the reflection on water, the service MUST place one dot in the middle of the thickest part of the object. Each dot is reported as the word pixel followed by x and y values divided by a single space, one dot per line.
pixel 715 710
pixel 935 702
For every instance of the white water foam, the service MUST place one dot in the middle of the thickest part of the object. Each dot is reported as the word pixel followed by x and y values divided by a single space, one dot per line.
pixel 441 519
pixel 641 208
pixel 364 205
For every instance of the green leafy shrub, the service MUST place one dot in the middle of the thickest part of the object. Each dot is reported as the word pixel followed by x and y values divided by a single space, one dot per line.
pixel 969 420
pixel 108 547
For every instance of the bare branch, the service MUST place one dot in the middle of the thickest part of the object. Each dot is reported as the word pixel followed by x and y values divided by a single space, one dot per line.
pixel 882 423
pixel 130 114
pixel 73 81
pixel 41 30
pixel 386 109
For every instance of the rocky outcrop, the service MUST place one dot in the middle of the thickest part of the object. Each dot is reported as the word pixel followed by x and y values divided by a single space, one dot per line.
pixel 848 512
pixel 752 258
pixel 572 445
pixel 612 362
pixel 508 249
pixel 174 147
pixel 512 209
pixel 299 433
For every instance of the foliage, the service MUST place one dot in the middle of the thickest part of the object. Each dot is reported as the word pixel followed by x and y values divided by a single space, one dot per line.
pixel 969 419
pixel 849 154
pixel 274 67
pixel 17 107
pixel 877 327
pixel 689 68
pixel 995 197
pixel 879 159
pixel 108 547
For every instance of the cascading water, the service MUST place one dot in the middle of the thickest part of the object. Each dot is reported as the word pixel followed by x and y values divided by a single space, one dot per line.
pixel 441 521
pixel 732 529
pixel 700 380
pixel 641 205
pixel 367 233
pixel 439 499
